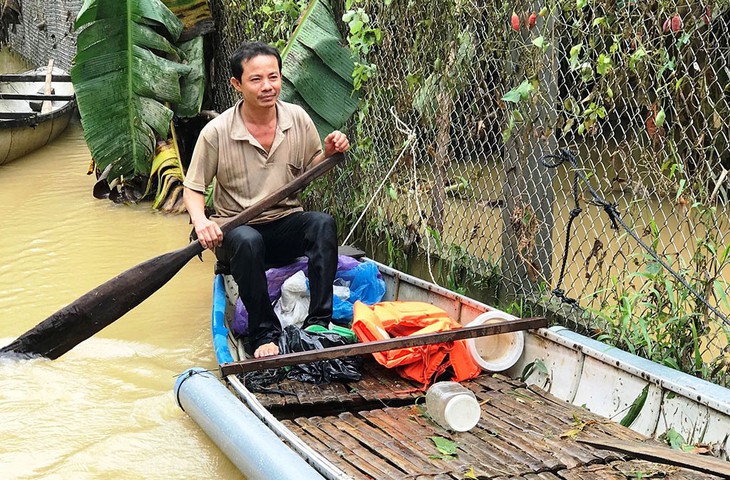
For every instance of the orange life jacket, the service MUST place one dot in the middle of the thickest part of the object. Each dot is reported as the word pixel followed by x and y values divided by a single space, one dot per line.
pixel 397 319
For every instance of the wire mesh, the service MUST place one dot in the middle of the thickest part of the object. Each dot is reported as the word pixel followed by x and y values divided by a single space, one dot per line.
pixel 467 98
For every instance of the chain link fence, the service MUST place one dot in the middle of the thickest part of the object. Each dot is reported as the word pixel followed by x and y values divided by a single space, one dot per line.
pixel 469 96
pixel 44 31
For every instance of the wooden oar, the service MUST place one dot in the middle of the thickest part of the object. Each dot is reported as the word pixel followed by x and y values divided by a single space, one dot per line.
pixel 47 89
pixel 78 321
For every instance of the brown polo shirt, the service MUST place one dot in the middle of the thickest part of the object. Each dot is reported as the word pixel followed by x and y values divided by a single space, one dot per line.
pixel 245 173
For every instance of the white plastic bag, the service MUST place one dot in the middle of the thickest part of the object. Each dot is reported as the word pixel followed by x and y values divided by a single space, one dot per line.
pixel 293 305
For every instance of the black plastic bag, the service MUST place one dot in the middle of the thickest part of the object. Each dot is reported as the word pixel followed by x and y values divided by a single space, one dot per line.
pixel 294 339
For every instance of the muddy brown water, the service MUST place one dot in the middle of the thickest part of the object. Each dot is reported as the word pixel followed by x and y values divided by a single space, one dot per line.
pixel 105 409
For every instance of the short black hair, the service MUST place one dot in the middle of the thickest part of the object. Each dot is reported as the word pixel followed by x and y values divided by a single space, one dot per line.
pixel 249 50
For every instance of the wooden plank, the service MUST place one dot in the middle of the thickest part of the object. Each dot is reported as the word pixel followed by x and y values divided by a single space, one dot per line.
pixel 47 89
pixel 495 328
pixel 37 77
pixel 381 441
pixel 611 428
pixel 491 427
pixel 416 444
pixel 334 446
pixel 389 383
pixel 358 448
pixel 35 96
pixel 592 472
pixel 629 469
pixel 315 441
pixel 507 460
pixel 416 427
pixel 661 454
pixel 542 476
pixel 541 432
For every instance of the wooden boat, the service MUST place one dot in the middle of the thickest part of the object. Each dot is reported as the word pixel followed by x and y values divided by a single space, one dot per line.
pixel 35 107
pixel 561 422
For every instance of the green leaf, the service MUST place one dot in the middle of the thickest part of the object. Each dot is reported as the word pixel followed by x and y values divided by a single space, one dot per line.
pixel 392 193
pixel 524 89
pixel 674 439
pixel 636 407
pixel 636 57
pixel 121 81
pixel 604 64
pixel 193 84
pixel 318 70
pixel 660 117
pixel 444 445
pixel 574 54
pixel 512 96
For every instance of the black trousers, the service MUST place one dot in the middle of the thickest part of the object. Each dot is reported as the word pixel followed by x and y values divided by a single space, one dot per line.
pixel 248 249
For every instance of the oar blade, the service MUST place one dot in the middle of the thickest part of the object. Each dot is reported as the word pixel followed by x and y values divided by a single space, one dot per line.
pixel 98 308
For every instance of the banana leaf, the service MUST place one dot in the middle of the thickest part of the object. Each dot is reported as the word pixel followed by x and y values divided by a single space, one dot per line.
pixel 164 172
pixel 317 69
pixel 194 14
pixel 193 84
pixel 121 82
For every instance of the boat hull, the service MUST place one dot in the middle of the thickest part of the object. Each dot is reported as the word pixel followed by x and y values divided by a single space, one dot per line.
pixel 16 142
pixel 32 130
pixel 374 428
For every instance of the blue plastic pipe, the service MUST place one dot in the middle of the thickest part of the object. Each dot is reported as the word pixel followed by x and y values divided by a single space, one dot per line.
pixel 244 439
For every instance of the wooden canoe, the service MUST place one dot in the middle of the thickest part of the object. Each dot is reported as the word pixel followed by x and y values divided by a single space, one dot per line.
pixel 551 425
pixel 35 107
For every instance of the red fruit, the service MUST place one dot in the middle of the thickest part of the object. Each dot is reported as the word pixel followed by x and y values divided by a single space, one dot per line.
pixel 676 23
pixel 667 25
pixel 515 22
pixel 531 20
pixel 707 16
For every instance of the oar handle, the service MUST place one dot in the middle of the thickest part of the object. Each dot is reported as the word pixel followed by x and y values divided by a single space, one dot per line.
pixel 294 186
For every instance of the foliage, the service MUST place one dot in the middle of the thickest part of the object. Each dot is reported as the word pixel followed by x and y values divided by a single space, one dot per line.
pixel 167 174
pixel 652 314
pixel 642 101
pixel 636 407
pixel 192 88
pixel 195 15
pixel 317 70
pixel 121 83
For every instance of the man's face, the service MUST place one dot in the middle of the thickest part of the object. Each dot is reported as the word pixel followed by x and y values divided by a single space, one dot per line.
pixel 260 82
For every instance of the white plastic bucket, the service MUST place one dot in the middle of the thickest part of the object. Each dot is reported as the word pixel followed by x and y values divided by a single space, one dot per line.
pixel 453 406
pixel 495 353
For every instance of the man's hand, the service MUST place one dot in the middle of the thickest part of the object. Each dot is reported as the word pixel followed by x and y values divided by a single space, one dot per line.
pixel 335 142
pixel 209 233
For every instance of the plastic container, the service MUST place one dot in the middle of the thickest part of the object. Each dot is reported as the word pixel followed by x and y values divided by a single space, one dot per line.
pixel 495 353
pixel 453 406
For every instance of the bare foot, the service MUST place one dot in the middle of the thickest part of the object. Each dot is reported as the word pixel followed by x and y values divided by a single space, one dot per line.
pixel 266 350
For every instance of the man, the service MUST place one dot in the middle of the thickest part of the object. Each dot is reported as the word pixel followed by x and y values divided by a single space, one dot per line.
pixel 253 149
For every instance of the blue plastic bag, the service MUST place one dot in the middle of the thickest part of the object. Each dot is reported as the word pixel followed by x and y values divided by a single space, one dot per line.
pixel 366 285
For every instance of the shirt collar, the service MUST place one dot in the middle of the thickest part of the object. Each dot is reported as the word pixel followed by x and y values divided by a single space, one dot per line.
pixel 239 131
